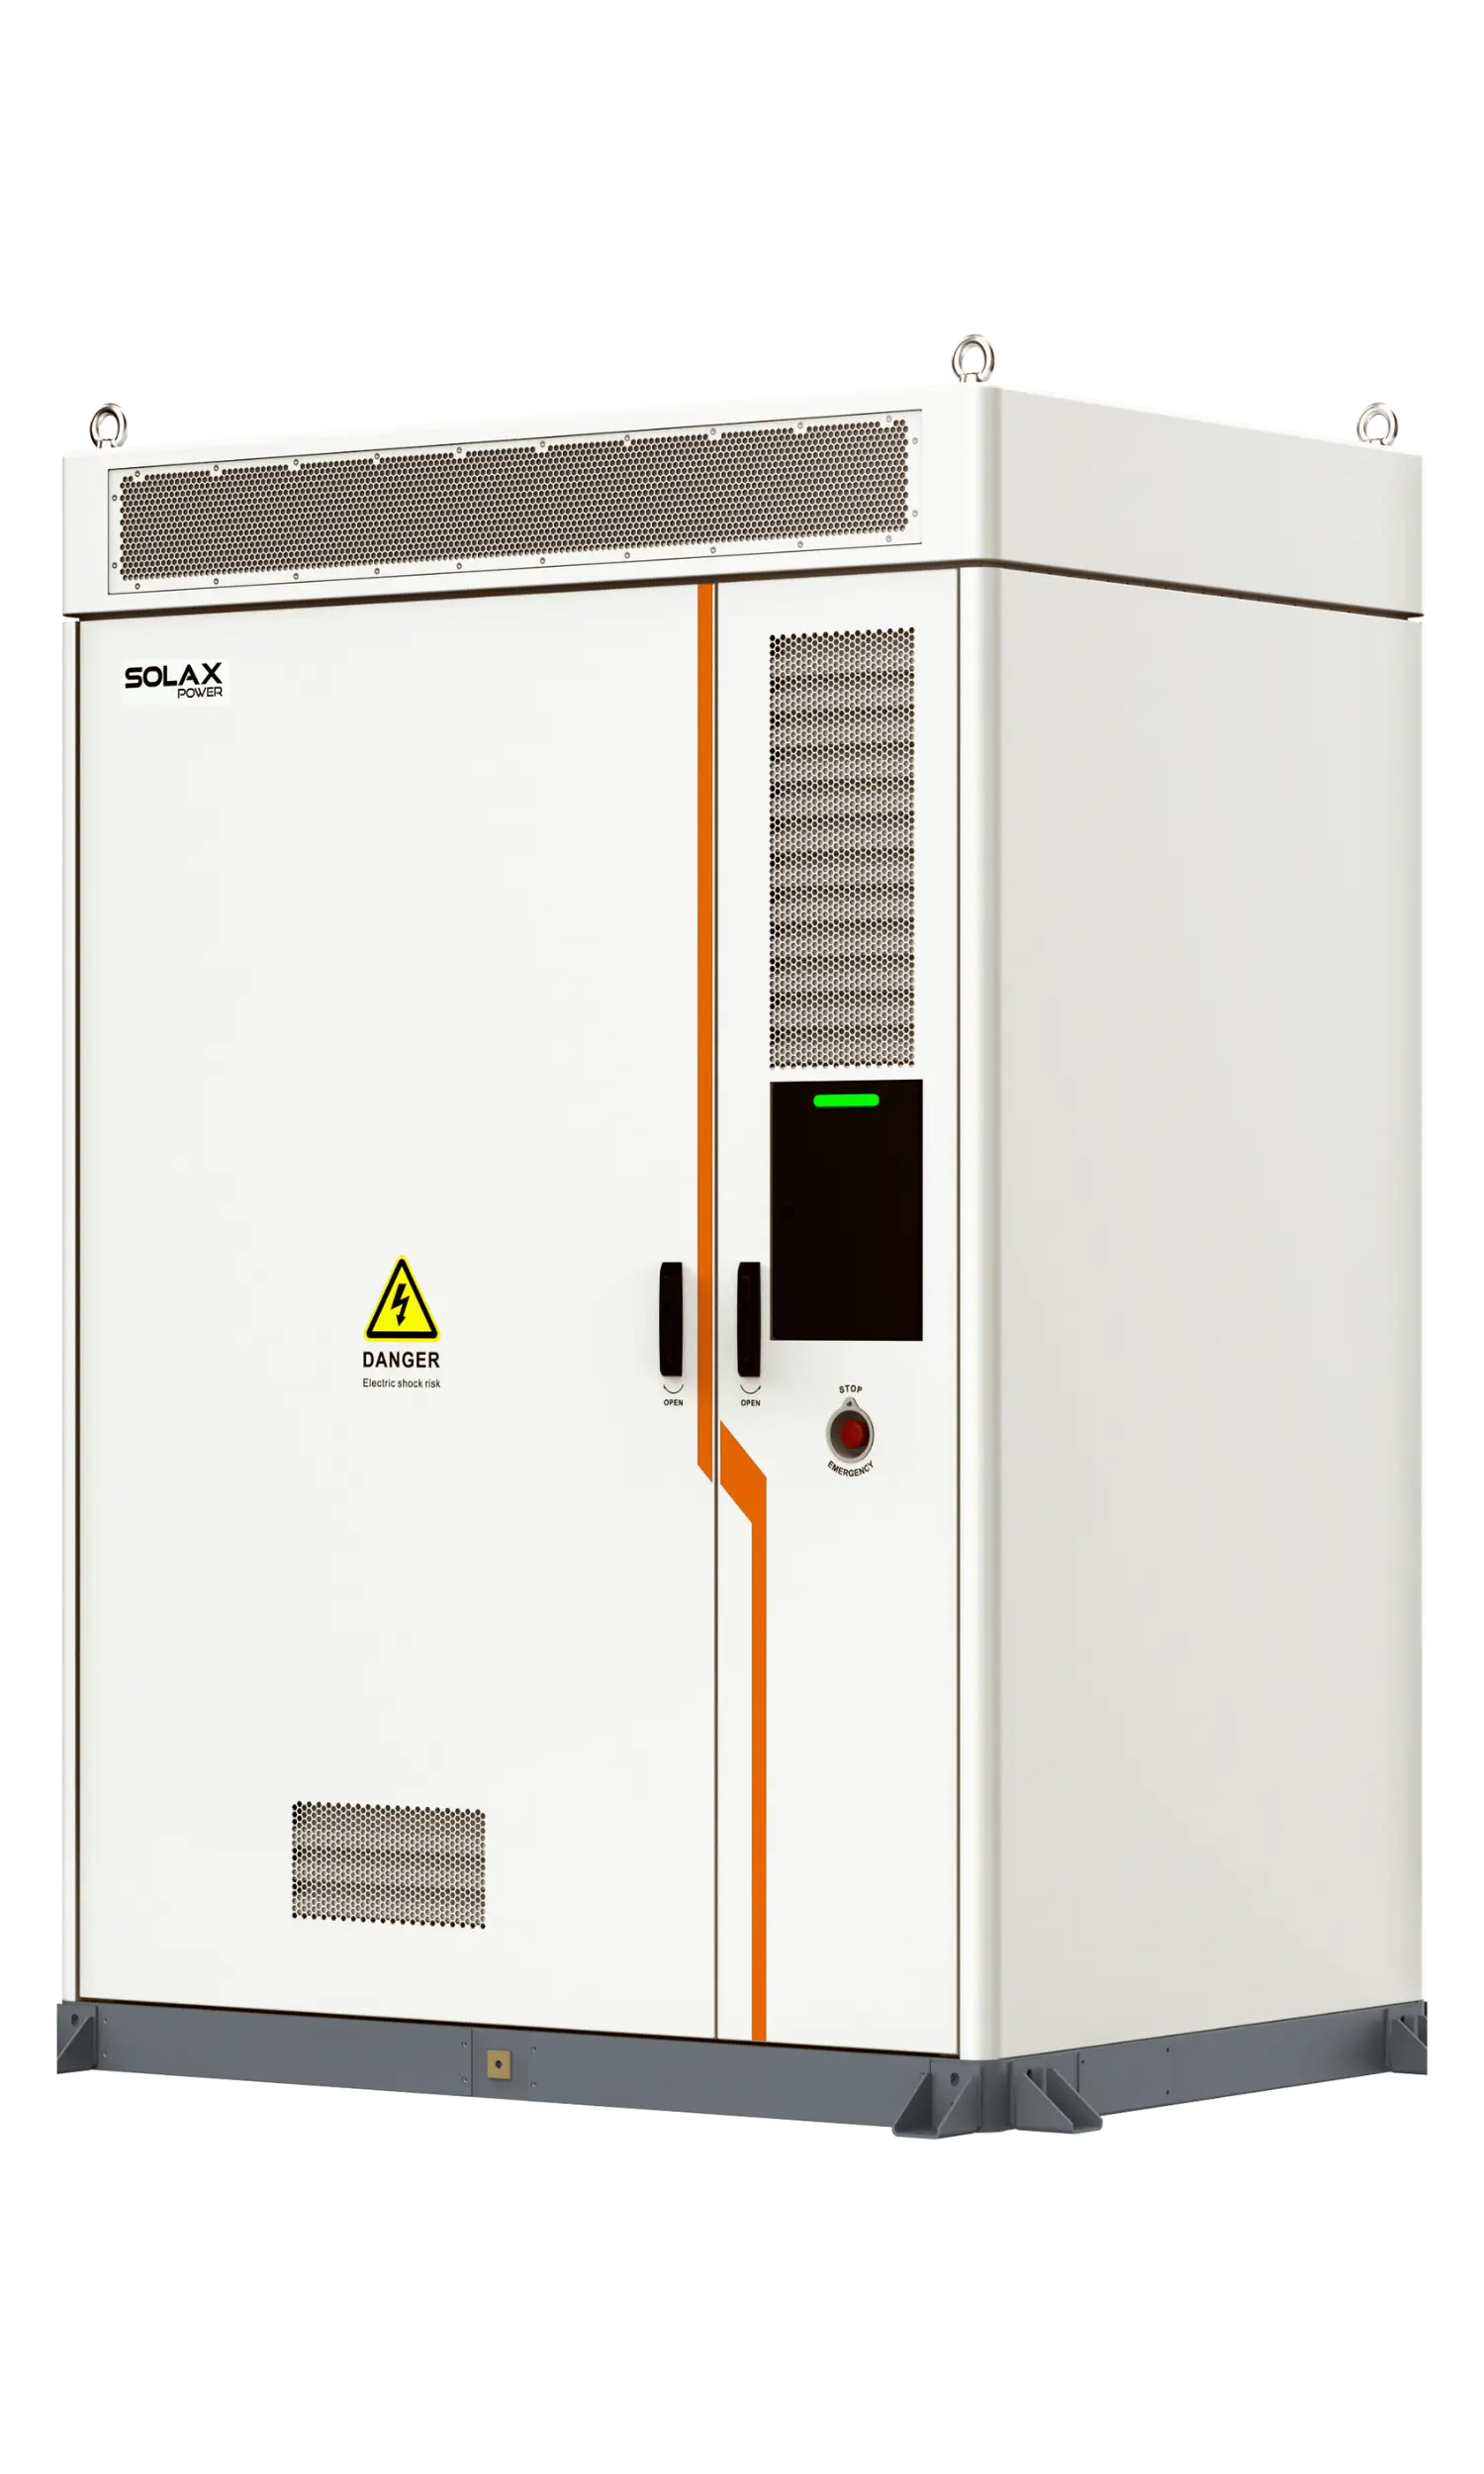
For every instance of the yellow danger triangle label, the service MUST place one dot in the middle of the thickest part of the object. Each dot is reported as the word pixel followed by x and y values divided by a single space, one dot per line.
pixel 402 1309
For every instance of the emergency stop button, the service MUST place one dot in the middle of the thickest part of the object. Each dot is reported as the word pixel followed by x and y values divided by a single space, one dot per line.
pixel 850 1433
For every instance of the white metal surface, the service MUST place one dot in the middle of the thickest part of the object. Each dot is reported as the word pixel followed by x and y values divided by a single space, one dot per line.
pixel 978 1164
pixel 1204 1720
pixel 70 634
pixel 1106 491
pixel 862 1648
pixel 391 950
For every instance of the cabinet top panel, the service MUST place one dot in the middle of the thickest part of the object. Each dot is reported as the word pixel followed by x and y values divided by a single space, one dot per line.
pixel 901 477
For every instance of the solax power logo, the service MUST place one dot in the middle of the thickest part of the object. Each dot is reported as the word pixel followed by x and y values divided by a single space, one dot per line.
pixel 175 681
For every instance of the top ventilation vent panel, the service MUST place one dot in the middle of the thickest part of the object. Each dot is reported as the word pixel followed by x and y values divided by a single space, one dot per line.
pixel 838 483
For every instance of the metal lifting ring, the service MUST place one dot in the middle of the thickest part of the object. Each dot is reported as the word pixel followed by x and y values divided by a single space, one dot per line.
pixel 106 423
pixel 973 359
pixel 1378 424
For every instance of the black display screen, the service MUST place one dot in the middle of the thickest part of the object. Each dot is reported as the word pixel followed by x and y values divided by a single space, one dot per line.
pixel 847 1210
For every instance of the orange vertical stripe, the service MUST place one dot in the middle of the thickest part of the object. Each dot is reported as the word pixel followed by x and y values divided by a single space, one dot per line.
pixel 705 770
pixel 748 1487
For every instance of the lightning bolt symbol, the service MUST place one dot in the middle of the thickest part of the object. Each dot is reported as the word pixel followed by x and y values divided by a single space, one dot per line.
pixel 400 1301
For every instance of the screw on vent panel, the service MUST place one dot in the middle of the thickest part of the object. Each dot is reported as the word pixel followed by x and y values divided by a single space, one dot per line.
pixel 795 482
pixel 388 1864
pixel 840 814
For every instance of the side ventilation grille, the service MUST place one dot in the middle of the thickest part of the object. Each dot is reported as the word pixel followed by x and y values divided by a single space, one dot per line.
pixel 389 1864
pixel 840 848
pixel 431 509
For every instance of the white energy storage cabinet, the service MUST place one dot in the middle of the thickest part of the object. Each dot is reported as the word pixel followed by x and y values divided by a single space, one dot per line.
pixel 744 1355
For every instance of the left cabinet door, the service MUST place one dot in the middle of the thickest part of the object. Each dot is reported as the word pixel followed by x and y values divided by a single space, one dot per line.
pixel 396 1549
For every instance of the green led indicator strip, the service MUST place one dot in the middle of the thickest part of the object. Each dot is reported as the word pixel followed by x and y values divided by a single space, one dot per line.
pixel 847 1100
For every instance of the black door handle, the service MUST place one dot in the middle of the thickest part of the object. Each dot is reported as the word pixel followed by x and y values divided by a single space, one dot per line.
pixel 672 1321
pixel 750 1322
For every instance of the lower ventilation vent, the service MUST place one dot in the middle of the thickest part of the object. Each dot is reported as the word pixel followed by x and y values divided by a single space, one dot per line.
pixel 389 1864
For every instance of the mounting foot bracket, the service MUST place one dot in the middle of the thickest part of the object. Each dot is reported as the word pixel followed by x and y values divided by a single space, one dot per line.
pixel 77 2037
pixel 1041 2100
pixel 1407 2042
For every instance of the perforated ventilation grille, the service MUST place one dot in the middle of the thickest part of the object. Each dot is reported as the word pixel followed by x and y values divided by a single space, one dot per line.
pixel 840 835
pixel 389 1864
pixel 561 497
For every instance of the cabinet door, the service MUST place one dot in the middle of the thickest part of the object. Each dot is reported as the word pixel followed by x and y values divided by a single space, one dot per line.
pixel 397 1636
pixel 837 1309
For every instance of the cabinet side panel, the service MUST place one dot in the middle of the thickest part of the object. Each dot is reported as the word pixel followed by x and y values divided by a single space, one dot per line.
pixel 69 1307
pixel 978 1304
pixel 1209 1577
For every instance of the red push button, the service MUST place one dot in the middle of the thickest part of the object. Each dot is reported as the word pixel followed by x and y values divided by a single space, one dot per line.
pixel 851 1434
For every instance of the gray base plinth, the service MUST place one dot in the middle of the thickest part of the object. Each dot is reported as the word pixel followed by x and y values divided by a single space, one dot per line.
pixel 918 2095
